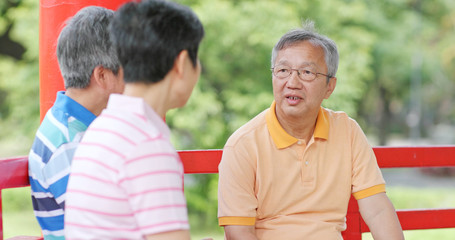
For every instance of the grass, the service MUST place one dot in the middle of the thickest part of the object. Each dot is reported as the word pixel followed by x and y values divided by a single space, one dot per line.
pixel 18 218
pixel 408 198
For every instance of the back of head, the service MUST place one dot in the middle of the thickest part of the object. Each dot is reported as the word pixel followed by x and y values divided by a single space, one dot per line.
pixel 149 35
pixel 83 44
pixel 308 33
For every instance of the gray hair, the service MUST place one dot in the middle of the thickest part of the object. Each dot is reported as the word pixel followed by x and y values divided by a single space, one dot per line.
pixel 308 33
pixel 84 44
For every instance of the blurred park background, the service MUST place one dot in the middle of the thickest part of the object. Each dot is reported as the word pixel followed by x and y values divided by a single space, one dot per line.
pixel 396 77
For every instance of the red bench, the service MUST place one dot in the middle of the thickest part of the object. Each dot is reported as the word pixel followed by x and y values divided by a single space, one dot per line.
pixel 14 173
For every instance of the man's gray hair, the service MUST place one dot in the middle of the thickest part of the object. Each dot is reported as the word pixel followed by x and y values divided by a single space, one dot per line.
pixel 308 33
pixel 84 44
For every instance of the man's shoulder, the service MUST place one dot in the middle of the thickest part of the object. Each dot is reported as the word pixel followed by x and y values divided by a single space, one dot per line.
pixel 334 113
pixel 338 117
pixel 254 129
pixel 56 130
pixel 342 125
pixel 53 130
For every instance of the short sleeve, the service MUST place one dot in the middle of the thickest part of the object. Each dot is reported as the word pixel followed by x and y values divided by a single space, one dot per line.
pixel 367 178
pixel 237 201
pixel 57 170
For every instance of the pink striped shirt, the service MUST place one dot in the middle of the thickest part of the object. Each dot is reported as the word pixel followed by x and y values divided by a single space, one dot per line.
pixel 126 177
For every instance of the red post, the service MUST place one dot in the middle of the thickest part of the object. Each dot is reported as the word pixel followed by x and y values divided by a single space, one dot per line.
pixel 53 14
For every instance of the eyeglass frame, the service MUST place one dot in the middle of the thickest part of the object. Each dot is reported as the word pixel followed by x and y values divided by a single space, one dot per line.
pixel 299 74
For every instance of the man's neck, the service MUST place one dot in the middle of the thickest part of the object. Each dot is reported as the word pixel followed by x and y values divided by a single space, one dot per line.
pixel 299 127
pixel 86 98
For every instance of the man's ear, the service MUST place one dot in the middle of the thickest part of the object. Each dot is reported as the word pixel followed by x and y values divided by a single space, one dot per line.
pixel 330 87
pixel 99 76
pixel 179 63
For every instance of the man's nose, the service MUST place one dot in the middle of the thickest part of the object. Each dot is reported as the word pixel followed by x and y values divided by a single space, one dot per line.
pixel 294 79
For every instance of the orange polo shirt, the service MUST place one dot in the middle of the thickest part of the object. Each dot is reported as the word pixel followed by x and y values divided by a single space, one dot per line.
pixel 290 189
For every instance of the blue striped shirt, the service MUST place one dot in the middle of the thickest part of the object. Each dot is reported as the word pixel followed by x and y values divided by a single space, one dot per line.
pixel 50 159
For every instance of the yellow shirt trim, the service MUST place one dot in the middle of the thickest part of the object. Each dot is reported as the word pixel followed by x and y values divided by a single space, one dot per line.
pixel 243 221
pixel 322 125
pixel 369 191
pixel 282 139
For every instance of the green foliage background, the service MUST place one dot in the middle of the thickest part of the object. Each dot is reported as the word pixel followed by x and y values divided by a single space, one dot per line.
pixel 19 95
pixel 397 58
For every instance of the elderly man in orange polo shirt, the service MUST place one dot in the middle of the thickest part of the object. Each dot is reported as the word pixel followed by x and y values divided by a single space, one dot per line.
pixel 290 171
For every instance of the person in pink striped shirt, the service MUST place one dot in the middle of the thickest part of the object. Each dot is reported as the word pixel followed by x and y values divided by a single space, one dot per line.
pixel 126 180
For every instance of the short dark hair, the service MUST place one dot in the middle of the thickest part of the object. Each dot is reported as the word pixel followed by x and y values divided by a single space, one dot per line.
pixel 83 44
pixel 149 35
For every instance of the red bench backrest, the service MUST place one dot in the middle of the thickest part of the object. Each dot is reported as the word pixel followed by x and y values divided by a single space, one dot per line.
pixel 14 173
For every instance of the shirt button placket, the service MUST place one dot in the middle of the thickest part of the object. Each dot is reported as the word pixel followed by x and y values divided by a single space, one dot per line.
pixel 304 166
pixel 302 149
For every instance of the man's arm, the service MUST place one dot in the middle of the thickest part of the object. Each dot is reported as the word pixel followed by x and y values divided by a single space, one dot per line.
pixel 380 216
pixel 237 202
pixel 180 234
pixel 234 232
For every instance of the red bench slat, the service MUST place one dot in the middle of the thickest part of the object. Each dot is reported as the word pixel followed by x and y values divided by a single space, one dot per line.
pixel 427 156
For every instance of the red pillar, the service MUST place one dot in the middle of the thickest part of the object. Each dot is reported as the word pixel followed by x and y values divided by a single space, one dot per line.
pixel 53 14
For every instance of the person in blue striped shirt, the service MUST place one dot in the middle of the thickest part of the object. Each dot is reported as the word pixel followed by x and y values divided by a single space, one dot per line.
pixel 91 72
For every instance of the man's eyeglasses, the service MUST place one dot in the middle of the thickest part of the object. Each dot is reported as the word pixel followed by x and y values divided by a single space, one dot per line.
pixel 282 72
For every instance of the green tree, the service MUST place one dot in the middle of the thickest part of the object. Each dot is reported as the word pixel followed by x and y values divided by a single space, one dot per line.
pixel 19 91
pixel 410 80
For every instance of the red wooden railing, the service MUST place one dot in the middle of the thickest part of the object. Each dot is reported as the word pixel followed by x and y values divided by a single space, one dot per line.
pixel 14 173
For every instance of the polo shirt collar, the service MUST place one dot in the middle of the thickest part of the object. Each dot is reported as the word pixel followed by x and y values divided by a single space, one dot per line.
pixel 282 139
pixel 73 108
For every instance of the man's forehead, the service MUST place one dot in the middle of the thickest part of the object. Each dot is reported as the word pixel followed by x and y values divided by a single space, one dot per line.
pixel 315 53
pixel 303 64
